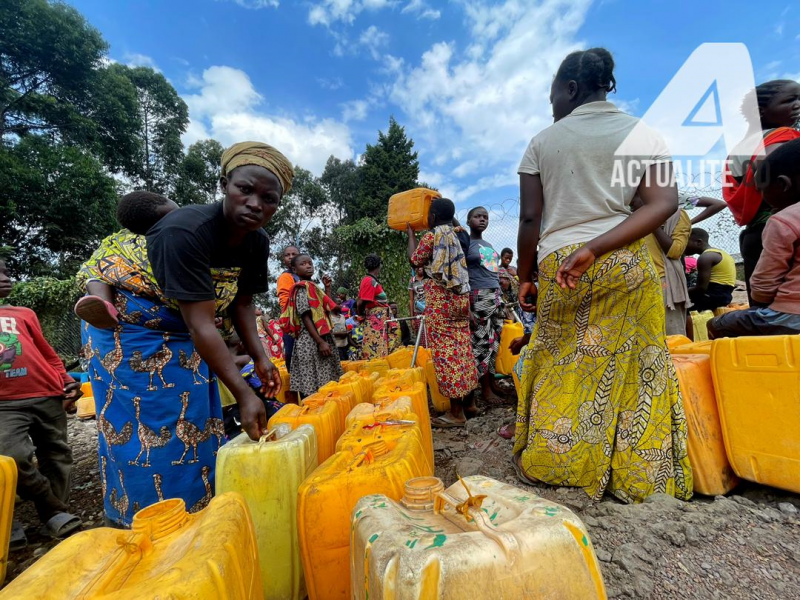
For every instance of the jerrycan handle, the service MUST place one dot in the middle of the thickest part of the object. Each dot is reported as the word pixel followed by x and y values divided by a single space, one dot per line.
pixel 471 511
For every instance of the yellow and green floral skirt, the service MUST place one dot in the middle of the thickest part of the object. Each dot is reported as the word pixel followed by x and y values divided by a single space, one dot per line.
pixel 599 404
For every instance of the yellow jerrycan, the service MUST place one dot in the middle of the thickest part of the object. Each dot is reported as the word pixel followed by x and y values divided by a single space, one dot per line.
pixel 711 472
pixel 349 386
pixel 326 499
pixel 86 408
pixel 693 348
pixel 480 539
pixel 674 341
pixel 8 493
pixel 700 324
pixel 394 410
pixel 345 400
pixel 168 553
pixel 324 418
pixel 365 382
pixel 268 473
pixel 439 401
pixel 505 362
pixel 401 358
pixel 408 376
pixel 353 365
pixel 376 365
pixel 411 208
pixel 758 395
pixel 419 399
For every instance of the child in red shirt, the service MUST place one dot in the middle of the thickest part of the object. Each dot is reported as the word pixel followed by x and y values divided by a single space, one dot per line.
pixel 35 390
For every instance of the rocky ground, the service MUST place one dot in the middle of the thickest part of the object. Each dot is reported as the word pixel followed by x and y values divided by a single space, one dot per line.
pixel 746 545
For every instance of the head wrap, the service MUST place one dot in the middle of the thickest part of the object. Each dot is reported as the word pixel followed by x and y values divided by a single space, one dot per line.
pixel 263 155
pixel 342 291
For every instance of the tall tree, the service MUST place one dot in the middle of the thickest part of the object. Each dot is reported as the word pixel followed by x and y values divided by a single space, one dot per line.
pixel 198 180
pixel 52 82
pixel 342 181
pixel 57 204
pixel 388 167
pixel 163 118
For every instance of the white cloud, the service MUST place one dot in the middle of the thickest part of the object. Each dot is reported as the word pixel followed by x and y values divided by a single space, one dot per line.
pixel 422 10
pixel 479 108
pixel 226 107
pixel 334 83
pixel 134 59
pixel 355 110
pixel 255 4
pixel 373 39
pixel 329 12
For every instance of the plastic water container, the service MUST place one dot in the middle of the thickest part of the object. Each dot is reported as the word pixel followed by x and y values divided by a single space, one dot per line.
pixel 758 394
pixel 360 386
pixel 423 356
pixel 367 414
pixel 86 407
pixel 675 341
pixel 376 365
pixel 693 348
pixel 324 418
pixel 419 399
pixel 439 401
pixel 168 553
pixel 401 358
pixel 479 539
pixel 700 324
pixel 730 308
pixel 345 400
pixel 402 377
pixel 505 359
pixel 8 493
pixel 268 473
pixel 411 208
pixel 353 365
pixel 326 500
pixel 711 471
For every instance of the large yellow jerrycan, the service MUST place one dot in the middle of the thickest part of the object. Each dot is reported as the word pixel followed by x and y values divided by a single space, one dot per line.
pixel 693 348
pixel 376 365
pixel 395 410
pixel 324 418
pixel 352 385
pixel 353 365
pixel 407 376
pixel 480 539
pixel 326 500
pixel 440 401
pixel 758 394
pixel 711 471
pixel 411 208
pixel 8 493
pixel 700 324
pixel 419 398
pixel 401 358
pixel 362 384
pixel 505 359
pixel 168 553
pixel 344 399
pixel 268 474
pixel 674 341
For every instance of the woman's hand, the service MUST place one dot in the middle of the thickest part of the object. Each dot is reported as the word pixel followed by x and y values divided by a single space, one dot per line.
pixel 72 392
pixel 570 271
pixel 410 230
pixel 325 349
pixel 327 281
pixel 253 415
pixel 526 291
pixel 270 377
pixel 517 344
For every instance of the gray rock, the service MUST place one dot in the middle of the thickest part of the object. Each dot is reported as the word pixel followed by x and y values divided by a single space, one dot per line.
pixel 787 508
pixel 706 566
pixel 743 501
pixel 643 586
pixel 628 558
pixel 692 534
pixel 664 499
pixel 469 466
pixel 603 555
pixel 590 521
pixel 40 551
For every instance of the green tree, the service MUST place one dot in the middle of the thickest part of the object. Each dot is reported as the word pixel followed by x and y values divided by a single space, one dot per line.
pixel 52 82
pixel 388 167
pixel 57 204
pixel 342 181
pixel 198 179
pixel 163 118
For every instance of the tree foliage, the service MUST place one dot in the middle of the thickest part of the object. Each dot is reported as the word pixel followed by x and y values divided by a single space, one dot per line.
pixel 198 177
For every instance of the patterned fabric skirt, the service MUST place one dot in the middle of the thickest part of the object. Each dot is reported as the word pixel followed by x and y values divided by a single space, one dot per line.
pixel 160 419
pixel 376 340
pixel 599 404
pixel 447 329
pixel 487 312
pixel 311 370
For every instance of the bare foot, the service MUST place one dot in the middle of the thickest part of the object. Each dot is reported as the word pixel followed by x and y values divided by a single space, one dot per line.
pixel 493 399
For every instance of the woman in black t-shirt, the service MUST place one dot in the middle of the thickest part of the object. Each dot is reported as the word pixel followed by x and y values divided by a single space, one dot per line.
pixel 161 424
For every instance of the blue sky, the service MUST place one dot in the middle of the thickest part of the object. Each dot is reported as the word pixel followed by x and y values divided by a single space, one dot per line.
pixel 469 79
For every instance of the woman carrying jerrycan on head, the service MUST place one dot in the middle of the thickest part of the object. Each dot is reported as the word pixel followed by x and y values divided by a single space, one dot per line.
pixel 441 253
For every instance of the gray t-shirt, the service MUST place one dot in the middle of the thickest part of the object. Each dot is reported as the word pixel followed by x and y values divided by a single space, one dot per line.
pixel 591 163
pixel 483 264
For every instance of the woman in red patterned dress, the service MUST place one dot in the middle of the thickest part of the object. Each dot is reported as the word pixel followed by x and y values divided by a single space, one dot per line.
pixel 441 253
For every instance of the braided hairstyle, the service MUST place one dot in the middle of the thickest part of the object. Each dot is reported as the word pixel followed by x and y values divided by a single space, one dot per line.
pixel 764 94
pixel 592 69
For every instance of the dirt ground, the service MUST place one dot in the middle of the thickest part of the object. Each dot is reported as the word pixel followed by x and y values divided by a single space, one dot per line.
pixel 746 545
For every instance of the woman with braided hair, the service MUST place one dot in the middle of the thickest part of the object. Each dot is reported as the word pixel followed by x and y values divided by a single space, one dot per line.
pixel 598 405
pixel 778 117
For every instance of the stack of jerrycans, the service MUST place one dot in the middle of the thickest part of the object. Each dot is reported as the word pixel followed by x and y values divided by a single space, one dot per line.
pixel 344 401
pixel 324 418
pixel 480 539
pixel 418 392
pixel 168 553
pixel 371 458
pixel 400 409
pixel 268 474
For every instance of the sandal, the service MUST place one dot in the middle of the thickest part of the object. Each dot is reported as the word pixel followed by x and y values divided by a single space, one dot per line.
pixel 61 525
pixel 18 539
pixel 520 473
pixel 442 422
pixel 97 312
pixel 508 431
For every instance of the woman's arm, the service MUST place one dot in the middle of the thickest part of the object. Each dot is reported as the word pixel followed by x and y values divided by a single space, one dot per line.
pixel 199 318
pixel 712 206
pixel 411 301
pixel 308 323
pixel 243 314
pixel 660 200
pixel 531 196
pixel 412 241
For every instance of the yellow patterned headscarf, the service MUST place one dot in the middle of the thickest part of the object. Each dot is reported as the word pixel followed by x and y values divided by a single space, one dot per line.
pixel 263 155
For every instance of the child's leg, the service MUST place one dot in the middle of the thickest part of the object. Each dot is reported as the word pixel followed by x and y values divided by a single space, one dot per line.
pixel 18 418
pixel 53 452
pixel 97 307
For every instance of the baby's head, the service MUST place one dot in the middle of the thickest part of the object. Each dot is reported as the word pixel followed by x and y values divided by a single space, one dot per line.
pixel 778 177
pixel 139 211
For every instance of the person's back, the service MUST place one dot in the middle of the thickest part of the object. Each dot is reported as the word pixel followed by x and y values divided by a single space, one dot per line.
pixel 716 273
pixel 724 272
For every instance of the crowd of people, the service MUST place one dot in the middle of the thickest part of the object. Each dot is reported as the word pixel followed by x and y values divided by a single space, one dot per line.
pixel 180 358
